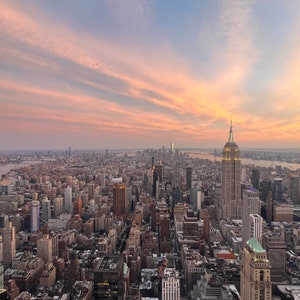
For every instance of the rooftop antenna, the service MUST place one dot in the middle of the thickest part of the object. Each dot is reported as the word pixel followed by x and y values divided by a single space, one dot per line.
pixel 230 140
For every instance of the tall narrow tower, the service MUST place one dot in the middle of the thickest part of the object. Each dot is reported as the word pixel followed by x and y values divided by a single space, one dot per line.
pixel 231 204
pixel 252 221
pixel 34 215
pixel 189 172
pixel 119 199
pixel 8 244
pixel 68 200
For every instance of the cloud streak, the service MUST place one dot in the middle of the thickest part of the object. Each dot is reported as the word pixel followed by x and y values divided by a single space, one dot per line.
pixel 86 82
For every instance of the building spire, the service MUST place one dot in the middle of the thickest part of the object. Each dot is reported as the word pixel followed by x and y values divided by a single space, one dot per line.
pixel 230 140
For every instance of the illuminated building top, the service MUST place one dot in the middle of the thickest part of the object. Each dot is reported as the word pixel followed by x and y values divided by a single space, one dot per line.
pixel 231 150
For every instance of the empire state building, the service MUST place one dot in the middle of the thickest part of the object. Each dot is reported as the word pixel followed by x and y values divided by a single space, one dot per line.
pixel 231 203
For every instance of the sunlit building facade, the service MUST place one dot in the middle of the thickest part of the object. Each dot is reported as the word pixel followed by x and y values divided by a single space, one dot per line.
pixel 255 272
pixel 231 204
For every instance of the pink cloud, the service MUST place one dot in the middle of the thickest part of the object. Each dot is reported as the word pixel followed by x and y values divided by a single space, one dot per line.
pixel 162 73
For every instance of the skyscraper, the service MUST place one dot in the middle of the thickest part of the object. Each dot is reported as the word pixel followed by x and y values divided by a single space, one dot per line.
pixel 119 199
pixel 189 172
pixel 157 178
pixel 57 206
pixel 255 179
pixel 8 244
pixel 34 215
pixel 276 248
pixel 251 206
pixel 277 189
pixel 255 272
pixel 68 200
pixel 231 204
pixel 255 226
pixel 172 148
pixel 294 188
pixel 46 210
pixel 44 248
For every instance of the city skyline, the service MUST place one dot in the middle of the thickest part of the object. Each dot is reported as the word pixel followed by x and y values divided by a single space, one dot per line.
pixel 139 74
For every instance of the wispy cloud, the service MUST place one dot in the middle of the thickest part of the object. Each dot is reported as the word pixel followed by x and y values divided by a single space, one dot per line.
pixel 120 86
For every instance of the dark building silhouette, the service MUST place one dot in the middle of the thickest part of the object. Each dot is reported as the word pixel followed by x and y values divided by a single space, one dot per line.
pixel 269 208
pixel 157 176
pixel 265 188
pixel 294 188
pixel 189 172
pixel 119 199
pixel 276 248
pixel 255 179
pixel 108 283
pixel 72 272
pixel 277 189
pixel 164 234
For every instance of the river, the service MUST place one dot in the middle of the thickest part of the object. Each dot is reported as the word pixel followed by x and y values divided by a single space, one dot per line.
pixel 245 161
pixel 4 169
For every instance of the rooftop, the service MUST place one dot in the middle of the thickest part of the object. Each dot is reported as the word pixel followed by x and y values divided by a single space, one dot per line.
pixel 255 245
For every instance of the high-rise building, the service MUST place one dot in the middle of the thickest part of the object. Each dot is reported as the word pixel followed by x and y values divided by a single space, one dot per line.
pixel 172 148
pixel 77 207
pixel 91 191
pixel 189 172
pixel 68 200
pixel 3 220
pixel 255 272
pixel 8 244
pixel 46 210
pixel 157 179
pixel 269 208
pixel 34 215
pixel 170 285
pixel 119 199
pixel 277 189
pixel 265 188
pixel 255 179
pixel 275 246
pixel 255 226
pixel 294 189
pixel 251 205
pixel 57 206
pixel 231 204
pixel 44 248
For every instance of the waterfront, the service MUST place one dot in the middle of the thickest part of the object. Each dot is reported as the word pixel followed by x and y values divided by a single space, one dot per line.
pixel 4 169
pixel 245 161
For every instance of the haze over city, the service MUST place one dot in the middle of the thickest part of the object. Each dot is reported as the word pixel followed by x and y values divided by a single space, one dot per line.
pixel 136 74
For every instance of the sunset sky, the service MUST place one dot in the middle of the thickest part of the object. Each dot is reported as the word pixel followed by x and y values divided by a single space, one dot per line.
pixel 142 73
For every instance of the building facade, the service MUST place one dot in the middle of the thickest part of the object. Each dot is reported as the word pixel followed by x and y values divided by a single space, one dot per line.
pixel 68 200
pixel 44 248
pixel 276 248
pixel 34 216
pixel 8 244
pixel 119 199
pixel 170 285
pixel 252 225
pixel 255 273
pixel 231 204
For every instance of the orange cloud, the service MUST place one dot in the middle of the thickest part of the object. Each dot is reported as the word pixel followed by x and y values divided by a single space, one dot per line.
pixel 158 76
